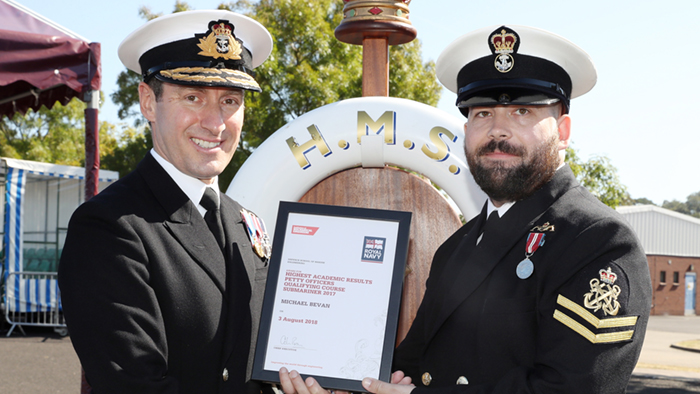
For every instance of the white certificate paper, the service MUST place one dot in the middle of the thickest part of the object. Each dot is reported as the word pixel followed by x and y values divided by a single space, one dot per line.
pixel 331 308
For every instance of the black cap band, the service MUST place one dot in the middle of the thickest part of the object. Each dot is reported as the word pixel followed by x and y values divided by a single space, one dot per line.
pixel 531 76
pixel 187 53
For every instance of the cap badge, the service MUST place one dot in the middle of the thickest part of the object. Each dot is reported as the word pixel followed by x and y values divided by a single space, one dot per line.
pixel 603 295
pixel 504 98
pixel 503 43
pixel 219 41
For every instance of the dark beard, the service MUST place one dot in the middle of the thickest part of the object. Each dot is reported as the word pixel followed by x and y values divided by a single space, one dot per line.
pixel 503 183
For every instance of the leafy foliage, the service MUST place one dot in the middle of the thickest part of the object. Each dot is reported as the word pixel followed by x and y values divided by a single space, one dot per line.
pixel 53 135
pixel 599 176
pixel 129 149
pixel 642 201
pixel 690 207
pixel 126 95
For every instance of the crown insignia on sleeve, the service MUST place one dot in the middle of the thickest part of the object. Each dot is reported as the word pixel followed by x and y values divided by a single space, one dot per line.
pixel 219 41
pixel 608 276
pixel 603 294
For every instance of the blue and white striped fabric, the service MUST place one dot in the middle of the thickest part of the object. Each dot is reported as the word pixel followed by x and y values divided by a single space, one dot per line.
pixel 16 289
pixel 32 294
pixel 26 292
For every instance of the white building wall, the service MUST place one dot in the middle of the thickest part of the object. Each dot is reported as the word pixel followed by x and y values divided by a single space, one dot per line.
pixel 664 232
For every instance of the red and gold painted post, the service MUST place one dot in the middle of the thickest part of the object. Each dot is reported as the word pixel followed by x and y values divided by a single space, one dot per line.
pixel 375 24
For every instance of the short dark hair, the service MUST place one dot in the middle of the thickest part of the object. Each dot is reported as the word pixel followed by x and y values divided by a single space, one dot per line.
pixel 157 86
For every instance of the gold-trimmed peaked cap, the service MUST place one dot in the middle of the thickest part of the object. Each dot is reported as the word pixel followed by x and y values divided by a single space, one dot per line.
pixel 514 65
pixel 203 48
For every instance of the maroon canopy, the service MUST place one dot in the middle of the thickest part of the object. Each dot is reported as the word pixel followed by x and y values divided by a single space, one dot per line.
pixel 41 62
pixel 38 70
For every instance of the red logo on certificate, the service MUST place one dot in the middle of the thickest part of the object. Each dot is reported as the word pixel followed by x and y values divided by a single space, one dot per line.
pixel 304 230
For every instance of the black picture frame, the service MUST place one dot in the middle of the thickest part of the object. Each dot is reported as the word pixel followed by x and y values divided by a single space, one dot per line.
pixel 393 302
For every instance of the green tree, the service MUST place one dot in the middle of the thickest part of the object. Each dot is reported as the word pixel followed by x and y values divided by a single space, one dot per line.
pixel 675 205
pixel 126 95
pixel 55 135
pixel 690 207
pixel 642 201
pixel 129 149
pixel 308 68
pixel 600 177
pixel 693 204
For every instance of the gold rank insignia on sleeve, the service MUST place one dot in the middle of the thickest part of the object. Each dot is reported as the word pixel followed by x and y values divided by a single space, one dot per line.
pixel 602 296
pixel 598 324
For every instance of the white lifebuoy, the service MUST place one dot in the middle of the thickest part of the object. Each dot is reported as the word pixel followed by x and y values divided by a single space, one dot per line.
pixel 369 132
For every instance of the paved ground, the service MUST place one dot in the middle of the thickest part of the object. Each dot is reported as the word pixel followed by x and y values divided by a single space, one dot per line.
pixel 659 358
pixel 41 362
pixel 662 368
pixel 44 362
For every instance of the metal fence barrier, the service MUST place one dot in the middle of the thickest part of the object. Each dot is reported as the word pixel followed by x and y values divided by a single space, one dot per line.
pixel 35 301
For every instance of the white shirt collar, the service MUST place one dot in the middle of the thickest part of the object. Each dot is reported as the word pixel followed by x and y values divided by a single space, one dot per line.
pixel 192 187
pixel 501 210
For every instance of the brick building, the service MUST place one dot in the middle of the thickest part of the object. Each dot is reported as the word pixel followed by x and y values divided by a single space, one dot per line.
pixel 671 241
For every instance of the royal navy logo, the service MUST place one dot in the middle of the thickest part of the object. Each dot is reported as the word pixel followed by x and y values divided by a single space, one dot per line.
pixel 373 250
pixel 219 41
pixel 603 294
pixel 504 42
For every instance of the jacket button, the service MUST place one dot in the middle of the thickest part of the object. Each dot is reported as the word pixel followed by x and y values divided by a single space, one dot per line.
pixel 462 380
pixel 426 379
pixel 225 374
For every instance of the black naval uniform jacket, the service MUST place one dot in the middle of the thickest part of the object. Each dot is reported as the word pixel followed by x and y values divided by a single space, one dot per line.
pixel 151 304
pixel 576 325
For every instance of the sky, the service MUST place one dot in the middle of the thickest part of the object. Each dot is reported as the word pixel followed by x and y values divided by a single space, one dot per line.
pixel 643 114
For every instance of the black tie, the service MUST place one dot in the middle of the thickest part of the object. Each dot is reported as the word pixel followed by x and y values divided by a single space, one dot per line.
pixel 490 224
pixel 212 217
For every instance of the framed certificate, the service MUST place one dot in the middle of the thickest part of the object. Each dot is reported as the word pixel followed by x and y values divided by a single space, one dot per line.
pixel 333 294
